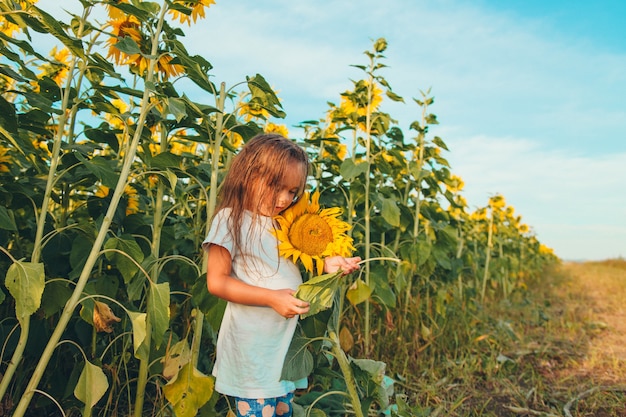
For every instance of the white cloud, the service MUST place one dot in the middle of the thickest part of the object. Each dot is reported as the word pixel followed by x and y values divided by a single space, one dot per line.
pixel 556 192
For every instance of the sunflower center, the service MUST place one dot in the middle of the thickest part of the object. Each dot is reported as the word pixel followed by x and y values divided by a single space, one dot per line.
pixel 310 234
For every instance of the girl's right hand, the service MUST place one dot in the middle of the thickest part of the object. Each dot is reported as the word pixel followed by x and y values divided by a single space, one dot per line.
pixel 285 304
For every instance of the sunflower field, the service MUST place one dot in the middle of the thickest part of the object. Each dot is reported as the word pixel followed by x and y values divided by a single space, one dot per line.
pixel 108 179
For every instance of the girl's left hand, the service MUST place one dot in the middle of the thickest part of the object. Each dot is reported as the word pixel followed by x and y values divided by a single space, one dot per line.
pixel 333 264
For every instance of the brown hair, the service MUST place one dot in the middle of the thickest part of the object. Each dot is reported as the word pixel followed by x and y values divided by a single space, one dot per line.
pixel 255 175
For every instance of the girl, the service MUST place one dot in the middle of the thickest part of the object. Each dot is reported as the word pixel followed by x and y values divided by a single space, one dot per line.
pixel 244 268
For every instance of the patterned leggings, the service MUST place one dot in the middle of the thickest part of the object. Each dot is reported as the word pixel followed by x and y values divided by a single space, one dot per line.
pixel 264 407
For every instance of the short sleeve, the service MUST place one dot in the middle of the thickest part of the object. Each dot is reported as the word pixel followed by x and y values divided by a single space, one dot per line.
pixel 219 233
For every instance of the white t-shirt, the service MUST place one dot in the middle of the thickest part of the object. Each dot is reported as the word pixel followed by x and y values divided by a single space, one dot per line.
pixel 252 341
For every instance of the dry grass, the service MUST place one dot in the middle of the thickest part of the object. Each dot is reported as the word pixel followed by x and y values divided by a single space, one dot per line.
pixel 564 354
pixel 600 289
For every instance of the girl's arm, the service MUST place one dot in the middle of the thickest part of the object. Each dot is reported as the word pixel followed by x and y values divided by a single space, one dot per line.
pixel 221 284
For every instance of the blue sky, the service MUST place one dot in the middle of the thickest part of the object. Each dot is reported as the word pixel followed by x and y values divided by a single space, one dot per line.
pixel 530 95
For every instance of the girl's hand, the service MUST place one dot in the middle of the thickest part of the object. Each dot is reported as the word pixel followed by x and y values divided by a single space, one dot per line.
pixel 333 264
pixel 285 304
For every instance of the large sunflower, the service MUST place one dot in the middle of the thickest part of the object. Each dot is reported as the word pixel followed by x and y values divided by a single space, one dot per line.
pixel 309 234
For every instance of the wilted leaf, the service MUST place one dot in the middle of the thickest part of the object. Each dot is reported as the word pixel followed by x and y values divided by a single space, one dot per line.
pixel 25 281
pixel 175 358
pixel 103 317
pixel 346 340
pixel 138 321
pixel 319 292
pixel 188 391
pixel 358 292
pixel 92 385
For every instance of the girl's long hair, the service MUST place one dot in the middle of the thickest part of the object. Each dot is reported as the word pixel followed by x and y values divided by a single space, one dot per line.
pixel 254 178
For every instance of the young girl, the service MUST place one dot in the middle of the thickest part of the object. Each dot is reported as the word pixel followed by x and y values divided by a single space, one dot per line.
pixel 244 268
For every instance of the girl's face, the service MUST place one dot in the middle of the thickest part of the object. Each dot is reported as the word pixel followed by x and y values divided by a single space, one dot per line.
pixel 288 190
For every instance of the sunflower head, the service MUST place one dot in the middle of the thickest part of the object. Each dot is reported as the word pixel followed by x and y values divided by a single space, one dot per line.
pixel 308 234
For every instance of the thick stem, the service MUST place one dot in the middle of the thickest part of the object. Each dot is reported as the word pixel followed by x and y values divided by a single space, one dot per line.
pixel 344 365
pixel 17 357
pixel 488 259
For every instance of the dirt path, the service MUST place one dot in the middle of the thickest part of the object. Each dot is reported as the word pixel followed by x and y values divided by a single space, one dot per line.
pixel 599 289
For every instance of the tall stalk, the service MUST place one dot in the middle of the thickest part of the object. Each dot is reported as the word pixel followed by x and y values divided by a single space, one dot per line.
pixel 488 256
pixel 366 215
pixel 210 210
pixel 421 136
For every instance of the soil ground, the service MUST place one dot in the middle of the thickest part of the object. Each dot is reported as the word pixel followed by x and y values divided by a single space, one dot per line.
pixel 590 303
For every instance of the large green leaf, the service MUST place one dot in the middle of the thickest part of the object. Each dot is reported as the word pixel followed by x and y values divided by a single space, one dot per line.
pixel 92 385
pixel 263 94
pixel 53 26
pixel 349 170
pixel 124 261
pixel 25 281
pixel 159 311
pixel 189 391
pixel 390 211
pixel 299 360
pixel 6 219
pixel 102 168
pixel 319 292
pixel 54 297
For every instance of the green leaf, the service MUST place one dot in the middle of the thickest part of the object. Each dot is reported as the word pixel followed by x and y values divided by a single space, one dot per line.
pixel 172 178
pixel 55 295
pixel 138 321
pixel 6 219
pixel 319 292
pixel 92 385
pixel 394 97
pixel 439 142
pixel 128 46
pixel 263 94
pixel 176 107
pixel 53 26
pixel 359 292
pixel 299 360
pixel 189 391
pixel 376 372
pixel 390 211
pixel 8 118
pixel 124 263
pixel 101 168
pixel 165 160
pixel 159 311
pixel 25 281
pixel 349 170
